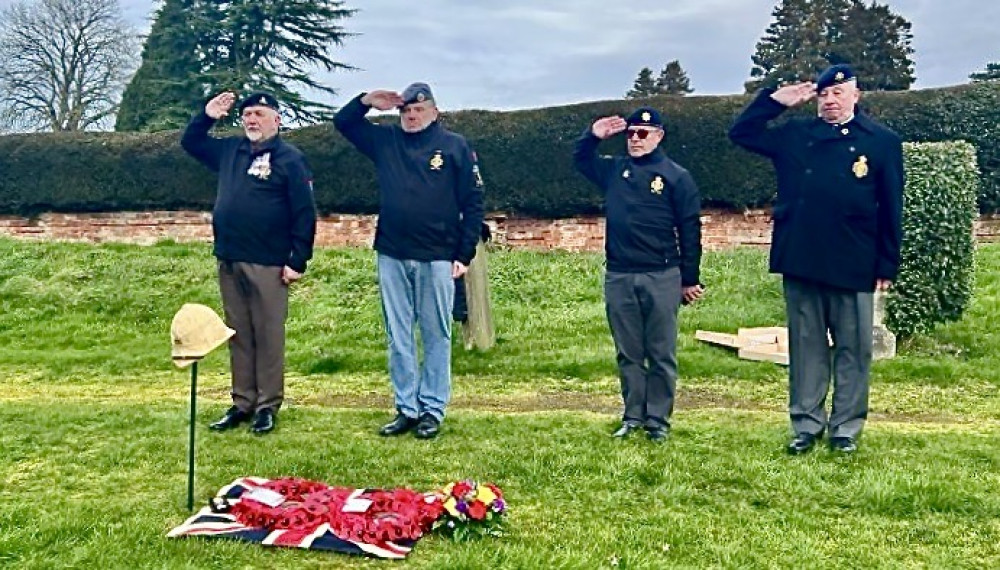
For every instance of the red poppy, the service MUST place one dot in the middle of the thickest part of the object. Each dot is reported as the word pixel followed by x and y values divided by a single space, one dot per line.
pixel 477 510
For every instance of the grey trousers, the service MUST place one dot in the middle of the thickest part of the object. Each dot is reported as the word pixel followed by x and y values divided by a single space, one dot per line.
pixel 812 310
pixel 255 302
pixel 642 312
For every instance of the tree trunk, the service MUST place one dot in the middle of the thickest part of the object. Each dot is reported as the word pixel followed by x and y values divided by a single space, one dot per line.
pixel 477 332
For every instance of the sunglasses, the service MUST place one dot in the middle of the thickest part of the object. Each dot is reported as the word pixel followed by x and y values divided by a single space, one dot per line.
pixel 640 134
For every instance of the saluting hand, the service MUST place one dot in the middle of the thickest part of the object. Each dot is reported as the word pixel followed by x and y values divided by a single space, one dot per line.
pixel 608 126
pixel 382 100
pixel 795 94
pixel 220 105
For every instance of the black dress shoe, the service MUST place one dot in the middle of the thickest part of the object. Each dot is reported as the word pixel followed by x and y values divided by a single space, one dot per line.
pixel 843 445
pixel 400 425
pixel 626 429
pixel 428 427
pixel 658 433
pixel 263 421
pixel 801 444
pixel 234 417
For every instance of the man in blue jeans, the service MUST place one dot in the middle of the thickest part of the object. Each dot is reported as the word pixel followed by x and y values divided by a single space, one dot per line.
pixel 430 211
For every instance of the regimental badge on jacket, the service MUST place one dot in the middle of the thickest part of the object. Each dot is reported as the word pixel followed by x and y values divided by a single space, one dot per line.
pixel 261 166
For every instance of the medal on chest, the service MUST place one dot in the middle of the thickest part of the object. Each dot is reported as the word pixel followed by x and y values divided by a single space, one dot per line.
pixel 437 161
pixel 860 167
pixel 656 186
pixel 261 166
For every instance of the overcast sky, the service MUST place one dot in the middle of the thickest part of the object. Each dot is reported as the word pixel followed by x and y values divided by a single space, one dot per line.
pixel 514 54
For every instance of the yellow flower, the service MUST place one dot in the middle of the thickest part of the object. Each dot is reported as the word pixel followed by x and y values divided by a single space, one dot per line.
pixel 449 506
pixel 486 495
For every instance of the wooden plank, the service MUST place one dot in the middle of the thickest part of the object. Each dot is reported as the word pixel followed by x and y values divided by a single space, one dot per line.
pixel 724 339
pixel 764 353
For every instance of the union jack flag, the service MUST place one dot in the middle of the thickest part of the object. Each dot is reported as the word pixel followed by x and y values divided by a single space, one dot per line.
pixel 211 524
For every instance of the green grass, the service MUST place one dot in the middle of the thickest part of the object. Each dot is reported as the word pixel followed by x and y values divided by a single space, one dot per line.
pixel 93 445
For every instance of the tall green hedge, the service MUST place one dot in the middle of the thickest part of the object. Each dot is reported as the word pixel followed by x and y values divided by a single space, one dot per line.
pixel 525 156
pixel 935 275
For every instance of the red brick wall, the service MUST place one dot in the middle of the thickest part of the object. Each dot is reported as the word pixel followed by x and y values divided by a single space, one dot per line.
pixel 721 229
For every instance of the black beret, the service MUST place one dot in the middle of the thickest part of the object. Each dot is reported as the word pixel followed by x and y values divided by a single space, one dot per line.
pixel 417 93
pixel 834 75
pixel 259 99
pixel 645 117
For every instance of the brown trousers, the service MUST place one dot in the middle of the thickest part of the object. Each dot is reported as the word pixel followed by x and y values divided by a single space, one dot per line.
pixel 255 302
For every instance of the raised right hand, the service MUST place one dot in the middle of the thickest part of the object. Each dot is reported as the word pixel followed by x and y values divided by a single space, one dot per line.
pixel 383 100
pixel 795 94
pixel 608 126
pixel 220 105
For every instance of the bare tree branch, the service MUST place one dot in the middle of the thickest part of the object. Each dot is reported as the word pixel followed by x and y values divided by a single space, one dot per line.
pixel 63 63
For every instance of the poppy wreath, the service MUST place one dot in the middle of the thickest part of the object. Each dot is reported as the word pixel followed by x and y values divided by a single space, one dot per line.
pixel 392 515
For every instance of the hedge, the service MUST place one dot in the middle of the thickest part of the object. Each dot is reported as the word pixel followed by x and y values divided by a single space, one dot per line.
pixel 935 275
pixel 525 156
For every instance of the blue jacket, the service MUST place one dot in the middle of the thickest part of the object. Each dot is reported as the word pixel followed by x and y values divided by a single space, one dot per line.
pixel 838 215
pixel 652 207
pixel 430 189
pixel 264 211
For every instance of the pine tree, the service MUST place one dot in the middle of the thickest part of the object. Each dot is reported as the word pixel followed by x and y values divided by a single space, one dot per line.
pixel 991 73
pixel 644 85
pixel 806 36
pixel 166 89
pixel 673 80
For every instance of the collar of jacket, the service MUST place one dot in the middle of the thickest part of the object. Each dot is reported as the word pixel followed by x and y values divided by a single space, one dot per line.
pixel 424 134
pixel 269 144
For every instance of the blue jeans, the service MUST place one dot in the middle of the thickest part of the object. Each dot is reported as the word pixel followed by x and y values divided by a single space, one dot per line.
pixel 422 293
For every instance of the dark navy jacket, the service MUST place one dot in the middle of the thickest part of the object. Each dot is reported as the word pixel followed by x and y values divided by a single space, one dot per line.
pixel 430 189
pixel 838 215
pixel 264 211
pixel 653 210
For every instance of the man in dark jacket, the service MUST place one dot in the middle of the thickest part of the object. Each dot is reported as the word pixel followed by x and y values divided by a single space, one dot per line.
pixel 653 248
pixel 264 223
pixel 430 211
pixel 836 238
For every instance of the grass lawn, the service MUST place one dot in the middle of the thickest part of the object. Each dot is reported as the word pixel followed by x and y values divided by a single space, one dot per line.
pixel 93 468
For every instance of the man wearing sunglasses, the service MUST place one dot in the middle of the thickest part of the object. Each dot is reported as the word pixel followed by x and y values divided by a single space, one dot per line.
pixel 653 247
pixel 264 223
pixel 836 238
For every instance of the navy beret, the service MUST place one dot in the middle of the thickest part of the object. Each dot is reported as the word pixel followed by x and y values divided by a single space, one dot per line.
pixel 645 117
pixel 259 99
pixel 834 75
pixel 417 93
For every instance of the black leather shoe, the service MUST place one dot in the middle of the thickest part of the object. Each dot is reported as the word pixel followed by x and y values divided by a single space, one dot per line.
pixel 658 434
pixel 844 445
pixel 428 427
pixel 400 425
pixel 626 429
pixel 234 417
pixel 263 421
pixel 801 444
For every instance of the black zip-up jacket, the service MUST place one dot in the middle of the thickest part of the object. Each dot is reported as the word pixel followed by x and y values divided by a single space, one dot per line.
pixel 264 210
pixel 653 210
pixel 430 189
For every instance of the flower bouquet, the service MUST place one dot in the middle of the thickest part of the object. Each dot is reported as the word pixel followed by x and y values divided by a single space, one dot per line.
pixel 470 510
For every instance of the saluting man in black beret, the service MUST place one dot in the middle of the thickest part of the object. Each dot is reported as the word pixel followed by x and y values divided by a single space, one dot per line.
pixel 264 223
pixel 836 238
pixel 653 246
pixel 430 212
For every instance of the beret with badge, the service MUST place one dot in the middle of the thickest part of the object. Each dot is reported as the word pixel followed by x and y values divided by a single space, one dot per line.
pixel 835 75
pixel 417 93
pixel 645 117
pixel 259 99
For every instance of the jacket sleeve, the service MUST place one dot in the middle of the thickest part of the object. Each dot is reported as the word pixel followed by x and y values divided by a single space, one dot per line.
pixel 890 212
pixel 196 142
pixel 351 122
pixel 470 203
pixel 750 129
pixel 687 206
pixel 303 213
pixel 595 168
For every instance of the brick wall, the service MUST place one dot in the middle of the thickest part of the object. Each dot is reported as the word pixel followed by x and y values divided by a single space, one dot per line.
pixel 721 229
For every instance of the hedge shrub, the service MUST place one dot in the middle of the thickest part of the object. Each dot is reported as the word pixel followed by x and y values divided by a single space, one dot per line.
pixel 935 277
pixel 525 156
